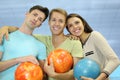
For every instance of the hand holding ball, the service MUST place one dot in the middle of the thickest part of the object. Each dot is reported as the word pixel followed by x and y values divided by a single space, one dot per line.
pixel 62 60
pixel 88 68
pixel 28 71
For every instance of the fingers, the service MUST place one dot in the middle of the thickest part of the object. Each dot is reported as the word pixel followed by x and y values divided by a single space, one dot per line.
pixel 72 37
pixel 86 78
pixel 46 61
pixel 51 63
pixel 28 58
pixel 1 38
pixel 7 36
pixel 67 35
pixel 82 77
pixel 2 34
pixel 45 65
pixel 36 61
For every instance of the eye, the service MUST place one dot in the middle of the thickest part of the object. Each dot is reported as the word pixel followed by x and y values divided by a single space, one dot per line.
pixel 69 25
pixel 77 22
pixel 53 20
pixel 35 14
pixel 61 21
pixel 40 19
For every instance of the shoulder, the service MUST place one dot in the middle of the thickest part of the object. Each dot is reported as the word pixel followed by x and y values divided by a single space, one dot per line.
pixel 41 36
pixel 72 42
pixel 96 35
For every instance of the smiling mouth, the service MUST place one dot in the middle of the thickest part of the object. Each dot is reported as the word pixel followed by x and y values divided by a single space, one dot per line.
pixel 76 31
pixel 55 28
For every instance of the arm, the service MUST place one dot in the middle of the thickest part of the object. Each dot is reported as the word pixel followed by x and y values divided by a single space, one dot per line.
pixel 4 31
pixel 77 53
pixel 49 69
pixel 107 52
pixel 9 63
pixel 8 28
pixel 41 57
pixel 64 76
pixel 42 62
pixel 67 75
pixel 102 76
pixel 111 61
pixel 6 64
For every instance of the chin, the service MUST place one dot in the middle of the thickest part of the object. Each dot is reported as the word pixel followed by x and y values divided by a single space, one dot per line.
pixel 76 34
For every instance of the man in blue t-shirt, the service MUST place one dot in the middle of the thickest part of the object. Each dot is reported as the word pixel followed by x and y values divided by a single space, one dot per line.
pixel 22 46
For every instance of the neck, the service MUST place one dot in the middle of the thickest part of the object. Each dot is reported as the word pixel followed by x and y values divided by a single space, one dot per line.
pixel 84 37
pixel 58 39
pixel 26 30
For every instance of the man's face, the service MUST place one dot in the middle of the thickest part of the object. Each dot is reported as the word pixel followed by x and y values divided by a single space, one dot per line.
pixel 34 18
pixel 57 23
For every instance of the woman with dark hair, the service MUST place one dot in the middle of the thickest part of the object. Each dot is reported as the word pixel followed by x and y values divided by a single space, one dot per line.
pixel 94 45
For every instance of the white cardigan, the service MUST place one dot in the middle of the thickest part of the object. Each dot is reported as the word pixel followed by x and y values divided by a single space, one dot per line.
pixel 97 48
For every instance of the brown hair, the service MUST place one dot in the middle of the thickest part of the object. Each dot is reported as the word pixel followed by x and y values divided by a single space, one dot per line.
pixel 40 8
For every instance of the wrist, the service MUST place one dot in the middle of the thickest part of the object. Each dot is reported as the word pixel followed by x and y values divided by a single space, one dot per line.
pixel 6 27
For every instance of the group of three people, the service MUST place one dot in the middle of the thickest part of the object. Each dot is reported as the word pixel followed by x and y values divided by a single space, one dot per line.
pixel 22 45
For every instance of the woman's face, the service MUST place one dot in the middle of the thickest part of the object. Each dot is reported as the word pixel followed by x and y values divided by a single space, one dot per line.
pixel 57 23
pixel 75 26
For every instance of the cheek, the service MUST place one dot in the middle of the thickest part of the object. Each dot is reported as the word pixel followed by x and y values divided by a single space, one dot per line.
pixel 70 29
pixel 50 24
pixel 38 24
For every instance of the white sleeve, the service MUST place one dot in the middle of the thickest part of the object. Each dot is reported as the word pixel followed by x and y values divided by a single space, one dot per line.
pixel 107 52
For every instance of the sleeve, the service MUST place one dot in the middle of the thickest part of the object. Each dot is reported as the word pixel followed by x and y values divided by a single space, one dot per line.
pixel 111 57
pixel 41 38
pixel 77 50
pixel 42 52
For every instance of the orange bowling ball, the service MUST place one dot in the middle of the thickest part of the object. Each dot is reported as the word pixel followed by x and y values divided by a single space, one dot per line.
pixel 28 71
pixel 62 60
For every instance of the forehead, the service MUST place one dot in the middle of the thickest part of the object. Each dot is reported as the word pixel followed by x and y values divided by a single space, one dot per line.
pixel 58 15
pixel 73 19
pixel 38 12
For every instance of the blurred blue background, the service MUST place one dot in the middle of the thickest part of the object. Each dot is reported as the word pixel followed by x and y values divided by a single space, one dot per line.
pixel 102 15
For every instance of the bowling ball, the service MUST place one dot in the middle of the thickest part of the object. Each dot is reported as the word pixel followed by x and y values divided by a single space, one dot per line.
pixel 28 71
pixel 86 67
pixel 62 60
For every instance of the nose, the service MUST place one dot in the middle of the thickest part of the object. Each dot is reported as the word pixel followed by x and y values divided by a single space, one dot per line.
pixel 57 23
pixel 36 18
pixel 75 26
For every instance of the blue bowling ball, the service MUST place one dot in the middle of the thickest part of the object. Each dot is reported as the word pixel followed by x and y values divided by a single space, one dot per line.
pixel 86 67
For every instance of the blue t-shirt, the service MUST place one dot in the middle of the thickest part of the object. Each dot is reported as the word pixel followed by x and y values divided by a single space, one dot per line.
pixel 20 45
